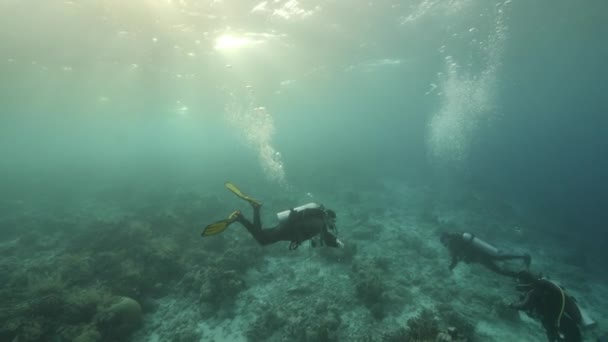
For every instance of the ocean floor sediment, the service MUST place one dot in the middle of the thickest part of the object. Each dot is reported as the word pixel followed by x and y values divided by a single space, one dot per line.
pixel 145 274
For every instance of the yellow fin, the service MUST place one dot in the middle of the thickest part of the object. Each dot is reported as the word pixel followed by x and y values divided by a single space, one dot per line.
pixel 240 194
pixel 220 226
pixel 216 227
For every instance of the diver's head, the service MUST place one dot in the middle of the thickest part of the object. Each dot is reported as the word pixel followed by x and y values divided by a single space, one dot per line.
pixel 526 279
pixel 331 214
pixel 331 220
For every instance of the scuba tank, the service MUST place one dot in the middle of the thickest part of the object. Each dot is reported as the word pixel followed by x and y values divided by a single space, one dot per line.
pixel 480 244
pixel 283 215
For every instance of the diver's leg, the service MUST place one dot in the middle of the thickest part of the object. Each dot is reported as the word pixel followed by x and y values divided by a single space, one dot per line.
pixel 525 257
pixel 570 329
pixel 256 232
pixel 257 223
pixel 551 329
pixel 492 266
pixel 246 223
pixel 262 236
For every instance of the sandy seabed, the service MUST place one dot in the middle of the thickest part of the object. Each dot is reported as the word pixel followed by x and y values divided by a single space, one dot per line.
pixel 390 283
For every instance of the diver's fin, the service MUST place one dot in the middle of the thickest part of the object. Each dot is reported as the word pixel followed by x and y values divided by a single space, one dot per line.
pixel 220 226
pixel 215 228
pixel 240 194
pixel 586 321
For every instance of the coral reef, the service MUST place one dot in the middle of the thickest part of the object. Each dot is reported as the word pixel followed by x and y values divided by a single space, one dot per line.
pixel 321 325
pixel 223 279
pixel 119 319
pixel 343 255
pixel 427 326
pixel 423 327
pixel 264 326
pixel 90 289
pixel 372 289
pixel 79 333
pixel 398 335
pixel 219 289
pixel 295 320
pixel 452 318
pixel 101 278
pixel 505 313
pixel 69 313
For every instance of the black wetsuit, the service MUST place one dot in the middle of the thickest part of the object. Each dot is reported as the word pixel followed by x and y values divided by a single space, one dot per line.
pixel 556 310
pixel 299 227
pixel 462 249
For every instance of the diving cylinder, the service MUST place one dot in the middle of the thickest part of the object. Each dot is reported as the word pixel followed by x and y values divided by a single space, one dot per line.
pixel 283 215
pixel 480 244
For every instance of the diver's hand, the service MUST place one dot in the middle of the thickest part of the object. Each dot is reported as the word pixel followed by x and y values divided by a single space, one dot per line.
pixel 340 243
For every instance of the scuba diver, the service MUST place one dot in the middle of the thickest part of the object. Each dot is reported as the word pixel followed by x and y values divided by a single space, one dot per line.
pixel 558 312
pixel 469 248
pixel 308 222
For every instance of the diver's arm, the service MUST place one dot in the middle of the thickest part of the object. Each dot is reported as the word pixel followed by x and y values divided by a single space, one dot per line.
pixel 552 331
pixel 492 266
pixel 330 239
pixel 454 248
pixel 526 302
pixel 454 261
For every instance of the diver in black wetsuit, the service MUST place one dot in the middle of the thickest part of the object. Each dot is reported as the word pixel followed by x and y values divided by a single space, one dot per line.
pixel 309 222
pixel 547 301
pixel 300 226
pixel 468 248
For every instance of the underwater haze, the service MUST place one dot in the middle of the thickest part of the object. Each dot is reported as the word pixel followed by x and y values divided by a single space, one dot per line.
pixel 121 121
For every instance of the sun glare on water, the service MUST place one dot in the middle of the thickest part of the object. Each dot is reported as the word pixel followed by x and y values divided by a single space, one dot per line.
pixel 231 42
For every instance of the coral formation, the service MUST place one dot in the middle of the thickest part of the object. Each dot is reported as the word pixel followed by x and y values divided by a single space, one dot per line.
pixel 223 279
pixel 99 281
pixel 264 326
pixel 370 288
pixel 321 325
pixel 423 327
pixel 219 288
pixel 504 312
pixel 79 294
pixel 427 326
pixel 452 318
pixel 343 255
pixel 119 319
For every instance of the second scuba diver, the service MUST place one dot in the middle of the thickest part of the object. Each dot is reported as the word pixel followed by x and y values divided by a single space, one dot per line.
pixel 308 222
pixel 469 248
pixel 558 312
